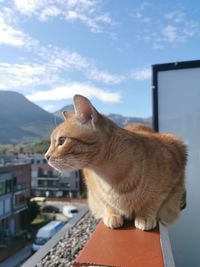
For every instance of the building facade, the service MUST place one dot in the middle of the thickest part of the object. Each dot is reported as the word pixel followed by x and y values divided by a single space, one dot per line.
pixel 47 182
pixel 15 189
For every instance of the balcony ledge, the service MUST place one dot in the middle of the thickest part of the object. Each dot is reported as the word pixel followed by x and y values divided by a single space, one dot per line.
pixel 125 247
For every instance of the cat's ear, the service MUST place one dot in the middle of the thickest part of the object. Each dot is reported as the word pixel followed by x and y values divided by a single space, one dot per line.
pixel 84 110
pixel 66 114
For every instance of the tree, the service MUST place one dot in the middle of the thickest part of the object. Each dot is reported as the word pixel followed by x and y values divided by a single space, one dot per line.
pixel 33 210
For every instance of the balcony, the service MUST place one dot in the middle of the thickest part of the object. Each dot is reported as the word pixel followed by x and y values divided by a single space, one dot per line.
pixel 19 187
pixel 19 206
pixel 53 186
pixel 125 247
pixel 45 178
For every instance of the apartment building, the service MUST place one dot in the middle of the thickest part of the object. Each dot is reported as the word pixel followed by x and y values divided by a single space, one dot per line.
pixel 47 182
pixel 15 189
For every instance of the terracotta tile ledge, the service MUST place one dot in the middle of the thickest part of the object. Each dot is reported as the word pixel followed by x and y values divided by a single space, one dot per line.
pixel 125 247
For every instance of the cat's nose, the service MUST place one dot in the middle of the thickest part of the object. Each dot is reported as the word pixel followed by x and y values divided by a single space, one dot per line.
pixel 47 156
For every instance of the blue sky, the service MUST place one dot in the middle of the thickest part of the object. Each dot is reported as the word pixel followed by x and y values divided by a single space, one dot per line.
pixel 51 50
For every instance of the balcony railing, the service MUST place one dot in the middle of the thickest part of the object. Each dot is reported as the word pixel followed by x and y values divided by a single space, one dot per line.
pixel 19 187
pixel 20 205
pixel 53 186
pixel 47 178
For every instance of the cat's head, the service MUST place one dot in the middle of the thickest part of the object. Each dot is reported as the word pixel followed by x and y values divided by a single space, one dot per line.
pixel 76 142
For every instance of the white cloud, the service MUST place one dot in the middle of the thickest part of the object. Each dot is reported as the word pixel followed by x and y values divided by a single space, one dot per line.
pixel 88 12
pixel 69 61
pixel 81 4
pixel 63 59
pixel 168 27
pixel 70 89
pixel 178 34
pixel 141 74
pixel 71 16
pixel 53 63
pixel 106 77
pixel 28 7
pixel 170 33
pixel 176 16
pixel 22 75
pixel 10 34
pixel 50 11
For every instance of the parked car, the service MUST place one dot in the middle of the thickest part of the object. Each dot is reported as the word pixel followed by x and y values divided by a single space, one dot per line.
pixel 70 210
pixel 39 200
pixel 45 233
pixel 50 209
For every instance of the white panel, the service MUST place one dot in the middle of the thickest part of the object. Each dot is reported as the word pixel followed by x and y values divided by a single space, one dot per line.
pixel 179 113
pixel 179 100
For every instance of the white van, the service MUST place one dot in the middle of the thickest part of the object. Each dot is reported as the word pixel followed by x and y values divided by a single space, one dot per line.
pixel 69 211
pixel 45 233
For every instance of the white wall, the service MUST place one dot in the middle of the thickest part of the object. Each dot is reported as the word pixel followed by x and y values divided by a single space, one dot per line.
pixel 179 113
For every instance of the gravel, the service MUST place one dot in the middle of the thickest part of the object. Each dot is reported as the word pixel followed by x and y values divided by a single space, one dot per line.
pixel 67 249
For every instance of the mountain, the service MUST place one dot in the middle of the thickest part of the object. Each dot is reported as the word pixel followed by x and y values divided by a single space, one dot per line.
pixel 123 120
pixel 117 118
pixel 21 121
pixel 59 112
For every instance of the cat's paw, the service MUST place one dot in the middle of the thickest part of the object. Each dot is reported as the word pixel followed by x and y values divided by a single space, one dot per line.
pixel 145 224
pixel 113 221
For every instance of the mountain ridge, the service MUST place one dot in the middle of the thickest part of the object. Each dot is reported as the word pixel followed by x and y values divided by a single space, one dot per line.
pixel 24 122
pixel 21 120
pixel 117 118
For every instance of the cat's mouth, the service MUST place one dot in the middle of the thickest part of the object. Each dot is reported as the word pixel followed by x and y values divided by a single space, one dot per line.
pixel 61 165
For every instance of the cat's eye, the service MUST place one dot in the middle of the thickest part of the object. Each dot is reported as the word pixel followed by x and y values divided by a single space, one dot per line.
pixel 61 140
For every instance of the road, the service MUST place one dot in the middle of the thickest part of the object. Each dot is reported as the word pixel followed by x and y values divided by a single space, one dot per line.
pixel 60 205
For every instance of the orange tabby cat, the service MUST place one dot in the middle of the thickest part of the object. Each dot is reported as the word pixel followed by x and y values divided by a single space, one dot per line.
pixel 129 173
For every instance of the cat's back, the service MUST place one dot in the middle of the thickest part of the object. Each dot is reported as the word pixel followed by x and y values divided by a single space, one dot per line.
pixel 161 144
pixel 138 127
pixel 175 146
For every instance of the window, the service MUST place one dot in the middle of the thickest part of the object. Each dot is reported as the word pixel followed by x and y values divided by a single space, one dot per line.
pixel 55 183
pixel 34 173
pixel 15 181
pixel 77 174
pixel 67 185
pixel 2 188
pixel 42 183
pixel 8 186
pixel 7 203
pixel 50 183
pixel 1 207
pixel 50 173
